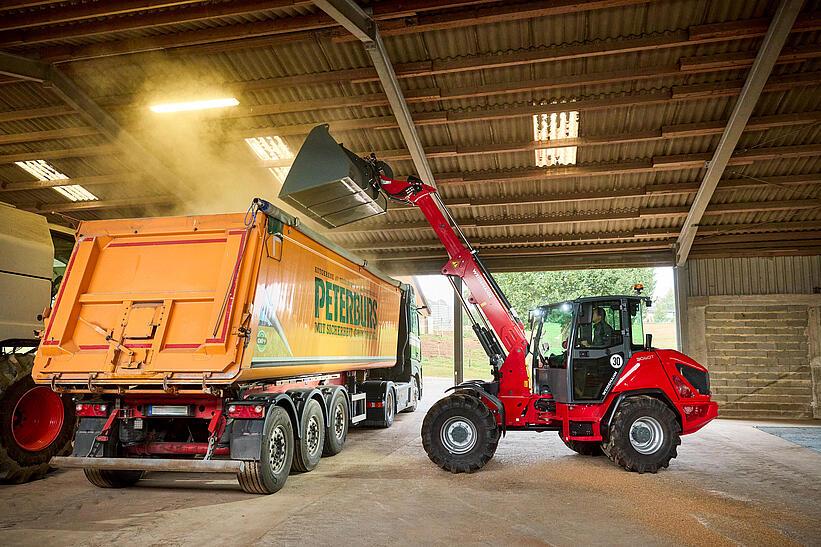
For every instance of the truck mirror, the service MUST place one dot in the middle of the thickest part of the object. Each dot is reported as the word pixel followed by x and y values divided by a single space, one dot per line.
pixel 648 341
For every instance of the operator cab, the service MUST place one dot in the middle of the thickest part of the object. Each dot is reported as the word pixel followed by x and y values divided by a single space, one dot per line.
pixel 580 346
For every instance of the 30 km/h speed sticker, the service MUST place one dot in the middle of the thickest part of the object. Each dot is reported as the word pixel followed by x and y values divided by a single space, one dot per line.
pixel 616 361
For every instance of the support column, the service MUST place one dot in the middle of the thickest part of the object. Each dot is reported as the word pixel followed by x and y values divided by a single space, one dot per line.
pixel 681 283
pixel 458 334
pixel 814 350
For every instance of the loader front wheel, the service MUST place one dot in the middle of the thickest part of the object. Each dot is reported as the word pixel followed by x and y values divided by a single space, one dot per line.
pixel 268 475
pixel 643 435
pixel 460 434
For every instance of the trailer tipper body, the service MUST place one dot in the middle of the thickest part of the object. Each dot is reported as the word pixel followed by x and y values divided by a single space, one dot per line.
pixel 236 343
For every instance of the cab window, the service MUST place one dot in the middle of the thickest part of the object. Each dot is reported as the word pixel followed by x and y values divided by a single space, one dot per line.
pixel 599 325
pixel 636 324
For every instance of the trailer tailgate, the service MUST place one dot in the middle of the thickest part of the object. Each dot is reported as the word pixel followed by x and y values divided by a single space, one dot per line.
pixel 152 300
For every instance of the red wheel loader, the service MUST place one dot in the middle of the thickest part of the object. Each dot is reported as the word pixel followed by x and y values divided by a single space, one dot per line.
pixel 607 390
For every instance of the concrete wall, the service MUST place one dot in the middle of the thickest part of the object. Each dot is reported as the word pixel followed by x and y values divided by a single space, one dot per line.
pixel 756 324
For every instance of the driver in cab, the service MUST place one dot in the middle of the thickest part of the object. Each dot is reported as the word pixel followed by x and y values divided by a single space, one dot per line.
pixel 601 330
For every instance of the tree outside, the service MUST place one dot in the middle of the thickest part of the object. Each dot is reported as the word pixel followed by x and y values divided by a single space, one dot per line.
pixel 527 290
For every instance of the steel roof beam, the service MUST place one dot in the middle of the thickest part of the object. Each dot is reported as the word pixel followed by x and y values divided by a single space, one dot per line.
pixel 762 67
pixel 89 111
pixel 348 14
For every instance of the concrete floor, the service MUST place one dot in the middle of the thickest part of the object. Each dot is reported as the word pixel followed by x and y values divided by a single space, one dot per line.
pixel 730 484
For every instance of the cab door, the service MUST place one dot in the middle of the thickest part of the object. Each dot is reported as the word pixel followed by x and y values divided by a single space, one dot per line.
pixel 601 347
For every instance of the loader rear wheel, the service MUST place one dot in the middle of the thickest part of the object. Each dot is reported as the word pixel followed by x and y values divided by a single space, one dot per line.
pixel 643 436
pixel 35 423
pixel 112 478
pixel 268 475
pixel 585 448
pixel 337 432
pixel 308 449
pixel 460 434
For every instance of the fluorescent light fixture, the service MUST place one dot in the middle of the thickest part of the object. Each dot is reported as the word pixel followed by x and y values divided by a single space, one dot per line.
pixel 194 105
pixel 555 127
pixel 44 171
pixel 272 149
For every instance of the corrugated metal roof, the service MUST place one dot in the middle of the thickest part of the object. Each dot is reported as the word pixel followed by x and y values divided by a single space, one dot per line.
pixel 208 152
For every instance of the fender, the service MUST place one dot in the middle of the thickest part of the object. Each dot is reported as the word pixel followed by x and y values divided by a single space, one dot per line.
pixel 300 398
pixel 329 392
pixel 478 388
pixel 607 418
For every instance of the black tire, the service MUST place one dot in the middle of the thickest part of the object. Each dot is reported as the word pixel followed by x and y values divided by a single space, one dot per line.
pixel 414 396
pixel 390 408
pixel 585 448
pixel 337 432
pixel 112 478
pixel 17 464
pixel 457 419
pixel 645 418
pixel 308 449
pixel 268 475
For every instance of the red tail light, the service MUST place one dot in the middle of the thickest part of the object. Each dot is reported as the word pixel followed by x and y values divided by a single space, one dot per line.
pixel 683 389
pixel 246 411
pixel 376 404
pixel 92 410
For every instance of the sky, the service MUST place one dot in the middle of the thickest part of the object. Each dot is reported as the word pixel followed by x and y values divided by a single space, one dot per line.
pixel 437 287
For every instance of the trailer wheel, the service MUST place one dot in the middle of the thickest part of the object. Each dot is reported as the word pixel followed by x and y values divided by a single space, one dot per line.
pixel 269 474
pixel 336 434
pixel 643 435
pixel 585 448
pixel 414 396
pixel 308 449
pixel 35 422
pixel 112 478
pixel 460 434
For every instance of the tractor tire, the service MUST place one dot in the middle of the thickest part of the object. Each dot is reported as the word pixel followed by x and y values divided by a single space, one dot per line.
pixel 585 448
pixel 337 432
pixel 644 434
pixel 35 423
pixel 414 396
pixel 460 434
pixel 308 449
pixel 268 475
pixel 112 478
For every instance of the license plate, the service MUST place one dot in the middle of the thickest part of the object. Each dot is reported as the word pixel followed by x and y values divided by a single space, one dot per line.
pixel 169 410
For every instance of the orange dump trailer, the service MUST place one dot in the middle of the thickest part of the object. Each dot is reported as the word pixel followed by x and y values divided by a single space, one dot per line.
pixel 238 343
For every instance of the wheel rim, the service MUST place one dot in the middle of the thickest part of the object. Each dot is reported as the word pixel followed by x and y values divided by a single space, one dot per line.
pixel 389 406
pixel 312 435
pixel 339 421
pixel 37 419
pixel 646 435
pixel 458 435
pixel 278 450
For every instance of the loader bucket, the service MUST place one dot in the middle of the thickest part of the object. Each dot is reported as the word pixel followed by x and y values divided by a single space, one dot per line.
pixel 331 184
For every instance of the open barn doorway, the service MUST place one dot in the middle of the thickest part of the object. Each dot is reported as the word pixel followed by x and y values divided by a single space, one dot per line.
pixel 527 290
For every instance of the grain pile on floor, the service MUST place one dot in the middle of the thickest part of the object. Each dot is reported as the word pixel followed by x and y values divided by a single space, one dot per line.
pixel 732 483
